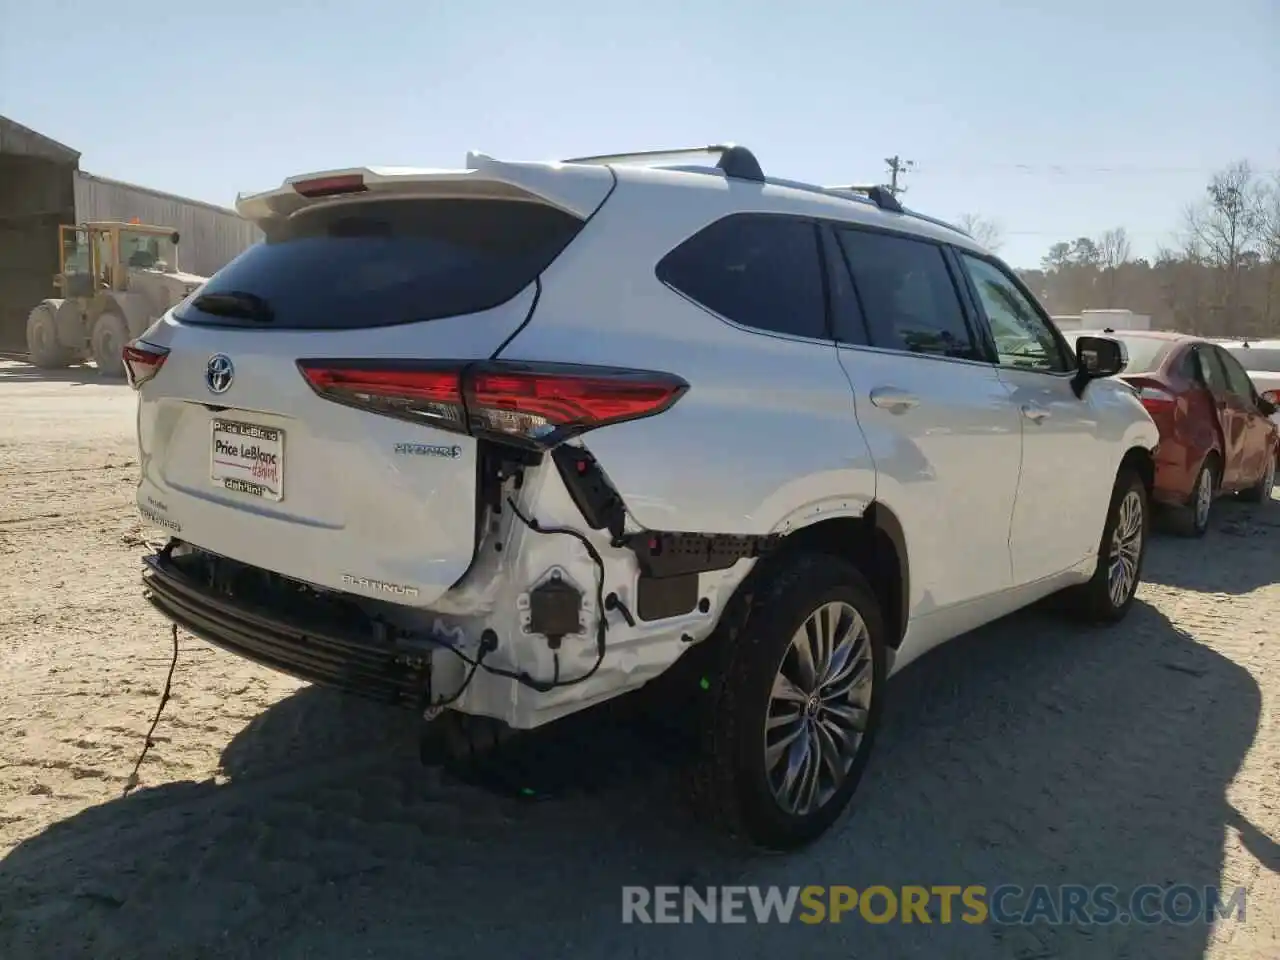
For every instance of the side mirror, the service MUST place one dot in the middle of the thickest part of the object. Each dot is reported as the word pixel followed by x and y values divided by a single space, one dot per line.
pixel 1097 357
pixel 1267 406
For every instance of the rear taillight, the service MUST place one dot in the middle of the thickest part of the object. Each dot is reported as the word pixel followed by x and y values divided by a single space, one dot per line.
pixel 1157 400
pixel 533 404
pixel 142 361
pixel 1272 395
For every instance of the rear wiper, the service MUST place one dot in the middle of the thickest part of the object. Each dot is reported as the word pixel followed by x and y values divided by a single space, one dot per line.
pixel 235 303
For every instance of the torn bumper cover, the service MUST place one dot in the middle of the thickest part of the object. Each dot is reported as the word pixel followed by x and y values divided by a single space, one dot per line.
pixel 332 644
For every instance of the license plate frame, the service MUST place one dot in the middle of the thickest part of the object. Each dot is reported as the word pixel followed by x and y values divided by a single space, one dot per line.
pixel 250 459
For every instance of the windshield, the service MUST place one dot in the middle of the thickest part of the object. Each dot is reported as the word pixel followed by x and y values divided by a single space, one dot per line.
pixel 1257 359
pixel 147 251
pixel 1146 354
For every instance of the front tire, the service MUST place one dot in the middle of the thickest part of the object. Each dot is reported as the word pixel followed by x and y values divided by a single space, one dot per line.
pixel 1261 491
pixel 1107 597
pixel 793 710
pixel 1192 519
pixel 110 335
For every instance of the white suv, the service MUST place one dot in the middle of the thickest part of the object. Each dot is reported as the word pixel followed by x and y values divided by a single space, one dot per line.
pixel 518 438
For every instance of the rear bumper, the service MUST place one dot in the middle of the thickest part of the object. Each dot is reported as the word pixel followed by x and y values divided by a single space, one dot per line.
pixel 363 658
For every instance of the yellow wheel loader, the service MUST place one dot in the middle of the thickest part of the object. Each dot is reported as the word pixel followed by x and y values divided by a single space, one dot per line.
pixel 114 280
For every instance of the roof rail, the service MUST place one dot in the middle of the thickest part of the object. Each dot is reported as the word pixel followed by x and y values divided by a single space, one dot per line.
pixel 879 194
pixel 735 161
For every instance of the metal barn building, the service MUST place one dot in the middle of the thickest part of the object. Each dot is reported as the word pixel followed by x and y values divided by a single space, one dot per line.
pixel 42 186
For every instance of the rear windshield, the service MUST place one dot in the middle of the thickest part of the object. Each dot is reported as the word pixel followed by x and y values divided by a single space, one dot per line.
pixel 1146 354
pixel 1257 359
pixel 378 263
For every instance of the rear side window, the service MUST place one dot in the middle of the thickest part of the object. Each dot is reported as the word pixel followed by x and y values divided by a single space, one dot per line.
pixel 378 263
pixel 1211 372
pixel 908 297
pixel 760 271
pixel 1238 380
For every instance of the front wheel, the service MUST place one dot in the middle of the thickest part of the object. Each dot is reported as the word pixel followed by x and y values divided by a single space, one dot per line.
pixel 1261 491
pixel 792 712
pixel 108 340
pixel 1192 519
pixel 1106 598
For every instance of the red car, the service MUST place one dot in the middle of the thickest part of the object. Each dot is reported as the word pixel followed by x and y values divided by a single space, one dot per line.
pixel 1215 433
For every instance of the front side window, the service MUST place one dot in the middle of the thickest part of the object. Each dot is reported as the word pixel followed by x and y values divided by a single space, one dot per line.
pixel 1022 337
pixel 908 298
pixel 758 270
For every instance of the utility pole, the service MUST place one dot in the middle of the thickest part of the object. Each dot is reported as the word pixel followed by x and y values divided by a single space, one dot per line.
pixel 897 167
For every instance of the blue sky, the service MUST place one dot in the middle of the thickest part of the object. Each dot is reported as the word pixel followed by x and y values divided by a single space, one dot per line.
pixel 1053 119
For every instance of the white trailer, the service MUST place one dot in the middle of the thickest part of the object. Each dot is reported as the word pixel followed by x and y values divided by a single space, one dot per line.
pixel 1113 319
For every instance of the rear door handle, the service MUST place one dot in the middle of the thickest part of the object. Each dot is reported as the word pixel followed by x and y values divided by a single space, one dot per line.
pixel 1034 413
pixel 893 399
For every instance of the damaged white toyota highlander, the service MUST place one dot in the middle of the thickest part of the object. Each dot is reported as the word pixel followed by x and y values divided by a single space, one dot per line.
pixel 512 440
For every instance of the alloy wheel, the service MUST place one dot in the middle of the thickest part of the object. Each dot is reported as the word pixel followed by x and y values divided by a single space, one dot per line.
pixel 1126 549
pixel 818 708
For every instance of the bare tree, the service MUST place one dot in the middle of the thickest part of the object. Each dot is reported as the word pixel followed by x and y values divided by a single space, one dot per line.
pixel 986 232
pixel 1113 253
pixel 1224 228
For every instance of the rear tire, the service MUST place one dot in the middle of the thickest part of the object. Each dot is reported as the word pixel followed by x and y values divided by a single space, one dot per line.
pixel 110 335
pixel 1261 491
pixel 783 746
pixel 1192 519
pixel 43 348
pixel 1107 597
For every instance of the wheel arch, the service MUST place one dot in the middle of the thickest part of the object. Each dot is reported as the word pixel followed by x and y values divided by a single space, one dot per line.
pixel 874 542
pixel 1142 462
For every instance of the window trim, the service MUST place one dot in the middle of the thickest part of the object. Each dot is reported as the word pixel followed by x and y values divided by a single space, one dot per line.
pixel 976 300
pixel 976 334
pixel 834 258
pixel 814 224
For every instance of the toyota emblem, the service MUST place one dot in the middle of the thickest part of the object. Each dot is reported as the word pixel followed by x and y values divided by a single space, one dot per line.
pixel 219 373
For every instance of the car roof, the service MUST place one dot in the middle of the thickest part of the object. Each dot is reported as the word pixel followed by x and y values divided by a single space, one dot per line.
pixel 573 185
pixel 807 199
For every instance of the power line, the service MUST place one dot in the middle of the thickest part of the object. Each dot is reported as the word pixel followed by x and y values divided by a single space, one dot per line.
pixel 1069 169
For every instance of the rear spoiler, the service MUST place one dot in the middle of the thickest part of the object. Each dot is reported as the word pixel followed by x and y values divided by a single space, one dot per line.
pixel 577 189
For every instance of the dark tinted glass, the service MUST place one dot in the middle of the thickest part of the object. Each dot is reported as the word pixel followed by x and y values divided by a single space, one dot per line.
pixel 759 271
pixel 846 315
pixel 386 262
pixel 908 298
pixel 1211 372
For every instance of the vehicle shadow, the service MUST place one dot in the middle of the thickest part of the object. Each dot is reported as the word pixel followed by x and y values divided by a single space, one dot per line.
pixel 19 371
pixel 1026 753
pixel 1251 531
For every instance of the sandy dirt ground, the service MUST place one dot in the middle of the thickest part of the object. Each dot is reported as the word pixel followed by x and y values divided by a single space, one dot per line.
pixel 277 820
